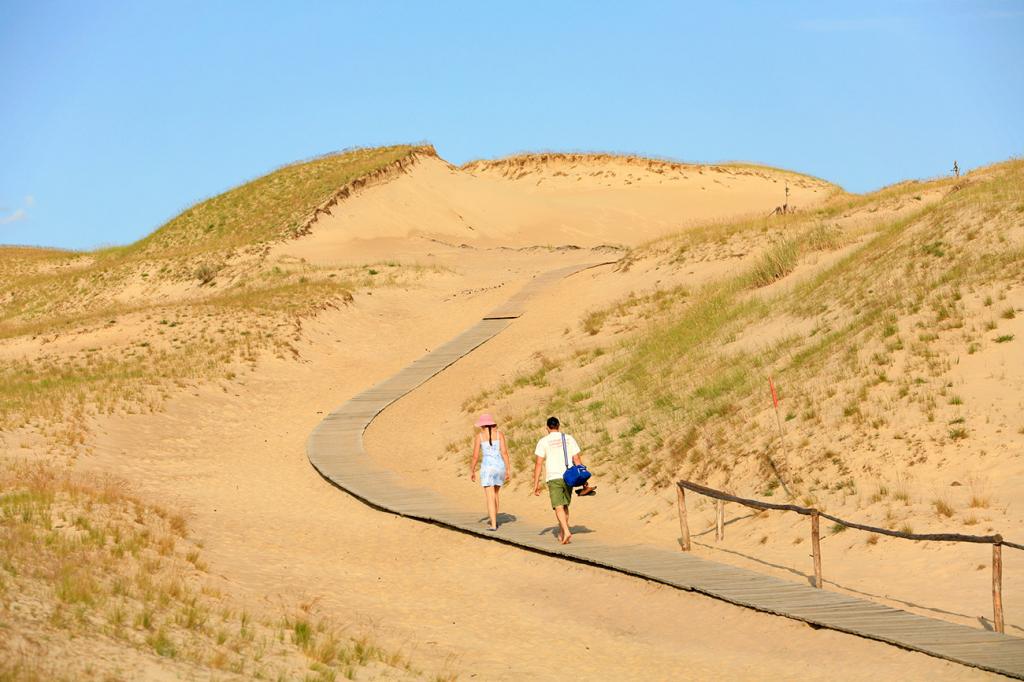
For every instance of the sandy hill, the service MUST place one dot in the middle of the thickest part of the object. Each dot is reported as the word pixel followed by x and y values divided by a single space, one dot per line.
pixel 551 200
pixel 160 518
pixel 890 324
pixel 217 244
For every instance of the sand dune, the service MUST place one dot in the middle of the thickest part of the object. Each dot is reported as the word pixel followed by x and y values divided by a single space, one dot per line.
pixel 903 467
pixel 227 449
pixel 574 201
pixel 273 526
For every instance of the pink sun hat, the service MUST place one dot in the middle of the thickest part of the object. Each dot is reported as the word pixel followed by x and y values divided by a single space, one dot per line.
pixel 486 420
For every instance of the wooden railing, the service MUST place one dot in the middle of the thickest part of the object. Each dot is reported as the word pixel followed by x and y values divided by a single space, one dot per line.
pixel 996 541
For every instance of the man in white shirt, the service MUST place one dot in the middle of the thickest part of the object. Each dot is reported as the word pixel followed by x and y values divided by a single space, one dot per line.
pixel 555 452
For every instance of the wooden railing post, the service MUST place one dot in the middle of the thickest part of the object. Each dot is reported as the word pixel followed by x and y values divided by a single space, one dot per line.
pixel 720 521
pixel 722 497
pixel 684 526
pixel 816 548
pixel 997 583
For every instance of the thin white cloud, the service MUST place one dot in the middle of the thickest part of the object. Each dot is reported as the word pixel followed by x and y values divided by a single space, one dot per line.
pixel 20 214
pixel 8 216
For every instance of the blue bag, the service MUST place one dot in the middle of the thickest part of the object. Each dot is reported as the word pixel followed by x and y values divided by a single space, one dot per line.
pixel 575 475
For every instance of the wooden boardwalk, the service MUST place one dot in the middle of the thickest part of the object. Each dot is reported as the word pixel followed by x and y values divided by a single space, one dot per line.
pixel 335 449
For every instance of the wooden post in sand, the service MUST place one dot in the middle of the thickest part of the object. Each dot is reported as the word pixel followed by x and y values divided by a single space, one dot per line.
pixel 997 583
pixel 816 548
pixel 720 521
pixel 684 527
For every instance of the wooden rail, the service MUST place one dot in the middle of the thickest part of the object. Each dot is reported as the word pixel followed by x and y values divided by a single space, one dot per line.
pixel 721 498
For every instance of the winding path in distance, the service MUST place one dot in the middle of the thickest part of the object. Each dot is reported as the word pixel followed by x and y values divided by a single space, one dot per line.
pixel 335 449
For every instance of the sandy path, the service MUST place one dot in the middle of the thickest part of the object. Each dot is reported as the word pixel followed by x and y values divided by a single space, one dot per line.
pixel 233 457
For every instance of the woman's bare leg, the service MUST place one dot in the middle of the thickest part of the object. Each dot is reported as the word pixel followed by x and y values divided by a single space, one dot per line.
pixel 497 503
pixel 492 504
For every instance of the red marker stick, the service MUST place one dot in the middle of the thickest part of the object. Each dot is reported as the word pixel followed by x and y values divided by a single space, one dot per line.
pixel 782 439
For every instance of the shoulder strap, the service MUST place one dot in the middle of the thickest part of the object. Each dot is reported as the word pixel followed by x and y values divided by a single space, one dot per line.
pixel 565 452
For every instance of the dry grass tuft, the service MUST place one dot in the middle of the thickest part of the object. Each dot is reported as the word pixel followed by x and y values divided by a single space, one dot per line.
pixel 943 507
pixel 777 262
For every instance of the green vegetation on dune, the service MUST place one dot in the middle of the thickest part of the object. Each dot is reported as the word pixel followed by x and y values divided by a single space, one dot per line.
pixel 45 285
pixel 115 331
pixel 80 559
pixel 650 162
pixel 20 266
pixel 226 303
pixel 18 258
pixel 677 396
pixel 270 207
pixel 170 344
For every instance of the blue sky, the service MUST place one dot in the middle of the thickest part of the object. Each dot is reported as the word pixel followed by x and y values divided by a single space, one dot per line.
pixel 115 116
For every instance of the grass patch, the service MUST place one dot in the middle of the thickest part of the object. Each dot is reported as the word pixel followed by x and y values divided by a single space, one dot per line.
pixel 884 304
pixel 162 644
pixel 943 507
pixel 233 307
pixel 302 633
pixel 594 321
pixel 688 370
pixel 269 207
pixel 777 262
pixel 84 557
pixel 205 272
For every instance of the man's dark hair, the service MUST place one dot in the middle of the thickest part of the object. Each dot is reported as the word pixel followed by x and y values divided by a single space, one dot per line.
pixel 553 422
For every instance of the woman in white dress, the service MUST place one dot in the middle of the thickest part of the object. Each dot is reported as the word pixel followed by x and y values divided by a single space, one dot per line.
pixel 495 468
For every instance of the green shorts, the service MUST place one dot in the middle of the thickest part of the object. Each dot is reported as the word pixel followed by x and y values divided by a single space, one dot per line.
pixel 560 494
